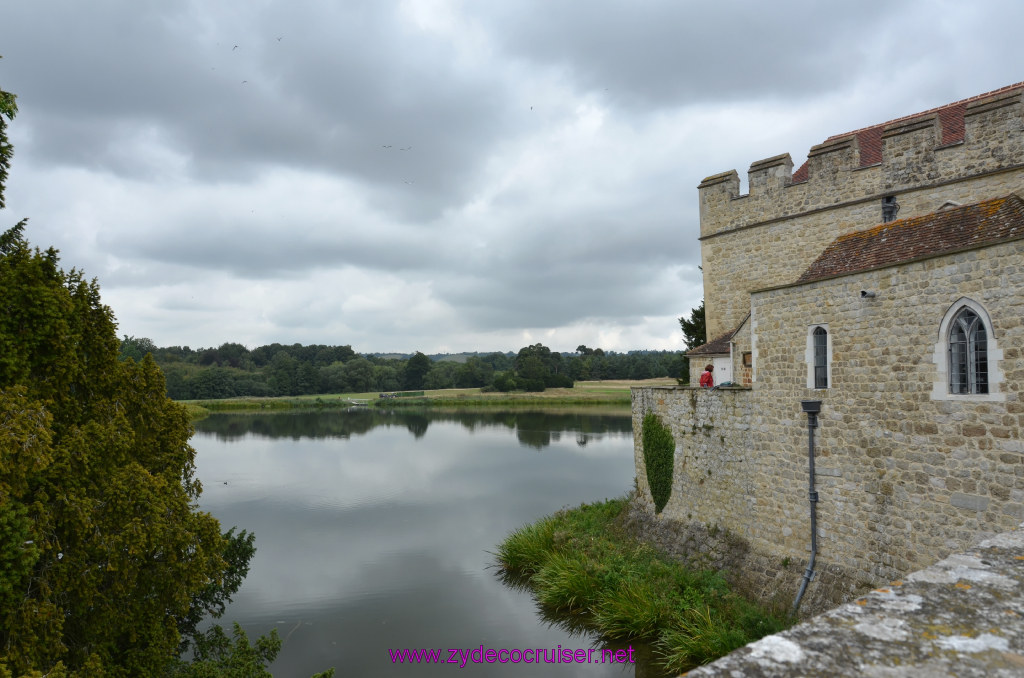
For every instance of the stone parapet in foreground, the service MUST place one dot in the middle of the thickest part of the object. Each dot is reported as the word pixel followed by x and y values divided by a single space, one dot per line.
pixel 963 616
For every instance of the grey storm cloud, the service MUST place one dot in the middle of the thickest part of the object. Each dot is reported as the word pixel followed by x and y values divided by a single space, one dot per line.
pixel 665 53
pixel 438 174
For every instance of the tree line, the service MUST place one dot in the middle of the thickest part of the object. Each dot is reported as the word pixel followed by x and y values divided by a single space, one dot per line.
pixel 232 370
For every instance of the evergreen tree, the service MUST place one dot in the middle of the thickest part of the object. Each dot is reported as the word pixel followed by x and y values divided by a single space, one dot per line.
pixel 97 478
pixel 694 330
pixel 106 563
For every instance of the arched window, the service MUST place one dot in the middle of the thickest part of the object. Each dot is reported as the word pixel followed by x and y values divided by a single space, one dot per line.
pixel 968 354
pixel 818 356
pixel 820 336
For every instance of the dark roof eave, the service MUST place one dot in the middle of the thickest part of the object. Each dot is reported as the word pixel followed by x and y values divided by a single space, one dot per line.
pixel 720 344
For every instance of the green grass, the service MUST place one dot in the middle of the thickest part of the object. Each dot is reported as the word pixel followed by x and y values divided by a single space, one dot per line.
pixel 196 411
pixel 585 393
pixel 506 400
pixel 579 562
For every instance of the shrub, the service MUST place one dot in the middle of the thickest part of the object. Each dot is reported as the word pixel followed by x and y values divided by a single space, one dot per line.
pixel 659 454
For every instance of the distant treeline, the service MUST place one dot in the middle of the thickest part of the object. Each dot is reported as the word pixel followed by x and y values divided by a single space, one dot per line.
pixel 232 370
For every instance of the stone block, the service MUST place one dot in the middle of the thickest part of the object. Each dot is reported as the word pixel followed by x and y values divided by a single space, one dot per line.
pixel 971 502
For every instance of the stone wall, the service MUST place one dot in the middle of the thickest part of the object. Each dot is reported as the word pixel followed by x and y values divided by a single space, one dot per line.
pixel 713 519
pixel 960 617
pixel 907 477
pixel 906 474
pixel 712 480
pixel 771 235
pixel 742 372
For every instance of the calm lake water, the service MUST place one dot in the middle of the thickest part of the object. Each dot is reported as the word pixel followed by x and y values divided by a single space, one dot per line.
pixel 374 530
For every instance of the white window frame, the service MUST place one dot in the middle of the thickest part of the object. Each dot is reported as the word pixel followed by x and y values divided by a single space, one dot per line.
pixel 940 356
pixel 809 356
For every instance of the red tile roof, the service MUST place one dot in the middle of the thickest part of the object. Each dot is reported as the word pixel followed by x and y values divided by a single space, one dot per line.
pixel 949 230
pixel 951 121
pixel 719 345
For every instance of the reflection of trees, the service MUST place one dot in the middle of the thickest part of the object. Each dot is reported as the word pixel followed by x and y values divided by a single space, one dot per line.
pixel 533 437
pixel 533 428
pixel 295 425
pixel 417 424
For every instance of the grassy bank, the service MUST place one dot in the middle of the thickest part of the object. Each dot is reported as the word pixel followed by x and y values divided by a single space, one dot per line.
pixel 196 411
pixel 584 393
pixel 284 403
pixel 579 562
pixel 506 400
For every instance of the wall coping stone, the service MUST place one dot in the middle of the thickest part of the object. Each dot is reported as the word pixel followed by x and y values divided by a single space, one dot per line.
pixel 963 616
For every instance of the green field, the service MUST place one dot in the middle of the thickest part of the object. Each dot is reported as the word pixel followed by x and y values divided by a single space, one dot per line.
pixel 584 393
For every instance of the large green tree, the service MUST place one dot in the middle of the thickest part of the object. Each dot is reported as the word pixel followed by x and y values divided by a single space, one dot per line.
pixel 106 563
pixel 97 478
pixel 415 372
pixel 538 367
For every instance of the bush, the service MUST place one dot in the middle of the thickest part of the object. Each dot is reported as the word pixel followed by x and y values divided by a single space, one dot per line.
pixel 505 382
pixel 659 455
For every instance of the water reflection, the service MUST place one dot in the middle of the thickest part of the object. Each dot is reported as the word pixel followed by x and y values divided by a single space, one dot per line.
pixel 534 428
pixel 374 529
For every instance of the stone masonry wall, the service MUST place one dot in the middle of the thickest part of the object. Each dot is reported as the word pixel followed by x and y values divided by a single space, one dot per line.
pixel 742 375
pixel 904 478
pixel 713 519
pixel 712 481
pixel 770 236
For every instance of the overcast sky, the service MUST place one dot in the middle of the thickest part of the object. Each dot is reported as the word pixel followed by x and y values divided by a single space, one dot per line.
pixel 438 175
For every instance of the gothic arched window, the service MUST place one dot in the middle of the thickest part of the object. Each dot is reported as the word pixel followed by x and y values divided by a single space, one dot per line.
pixel 968 354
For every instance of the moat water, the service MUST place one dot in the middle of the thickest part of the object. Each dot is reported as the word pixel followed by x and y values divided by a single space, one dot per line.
pixel 375 530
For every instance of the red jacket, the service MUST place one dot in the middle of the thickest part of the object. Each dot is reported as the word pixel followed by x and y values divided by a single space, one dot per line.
pixel 706 380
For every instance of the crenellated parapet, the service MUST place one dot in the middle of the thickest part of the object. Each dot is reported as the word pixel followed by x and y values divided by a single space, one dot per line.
pixel 955 142
pixel 962 153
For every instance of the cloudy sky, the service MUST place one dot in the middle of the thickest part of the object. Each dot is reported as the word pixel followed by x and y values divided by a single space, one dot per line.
pixel 438 175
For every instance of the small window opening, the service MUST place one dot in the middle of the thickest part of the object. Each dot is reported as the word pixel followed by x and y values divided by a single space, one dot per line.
pixel 889 208
pixel 820 357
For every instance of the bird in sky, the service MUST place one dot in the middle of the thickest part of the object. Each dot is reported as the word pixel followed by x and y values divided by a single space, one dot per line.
pixel 234 48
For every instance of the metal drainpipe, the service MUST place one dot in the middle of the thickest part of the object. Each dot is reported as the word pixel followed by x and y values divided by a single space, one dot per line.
pixel 812 408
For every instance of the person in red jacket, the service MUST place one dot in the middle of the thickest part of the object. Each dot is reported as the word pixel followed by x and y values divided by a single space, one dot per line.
pixel 706 380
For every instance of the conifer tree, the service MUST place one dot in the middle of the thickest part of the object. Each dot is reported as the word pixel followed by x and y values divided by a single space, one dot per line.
pixel 106 563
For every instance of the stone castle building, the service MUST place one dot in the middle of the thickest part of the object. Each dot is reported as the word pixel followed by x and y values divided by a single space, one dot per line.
pixel 885 279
